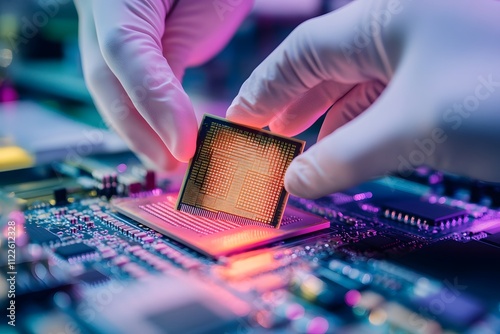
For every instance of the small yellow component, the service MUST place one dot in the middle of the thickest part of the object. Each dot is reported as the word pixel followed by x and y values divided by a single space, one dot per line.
pixel 14 157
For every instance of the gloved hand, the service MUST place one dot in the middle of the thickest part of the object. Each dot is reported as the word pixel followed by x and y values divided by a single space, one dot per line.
pixel 134 53
pixel 404 83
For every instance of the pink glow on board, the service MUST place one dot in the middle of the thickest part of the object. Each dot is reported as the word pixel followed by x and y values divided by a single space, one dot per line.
pixel 8 94
pixel 295 311
pixel 318 325
pixel 121 168
pixel 352 297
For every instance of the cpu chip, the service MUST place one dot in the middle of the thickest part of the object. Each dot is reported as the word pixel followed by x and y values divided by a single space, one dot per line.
pixel 237 173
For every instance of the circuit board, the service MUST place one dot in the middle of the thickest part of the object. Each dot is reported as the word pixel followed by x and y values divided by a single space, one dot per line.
pixel 402 255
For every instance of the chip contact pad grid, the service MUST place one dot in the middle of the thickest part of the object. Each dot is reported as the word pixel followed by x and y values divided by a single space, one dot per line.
pixel 237 173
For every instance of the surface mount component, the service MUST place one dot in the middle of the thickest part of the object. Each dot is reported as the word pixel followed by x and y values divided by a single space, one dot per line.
pixel 93 277
pixel 416 212
pixel 75 251
pixel 214 237
pixel 40 235
pixel 237 173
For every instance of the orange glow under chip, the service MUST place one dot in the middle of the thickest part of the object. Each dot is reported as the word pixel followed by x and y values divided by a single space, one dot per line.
pixel 238 173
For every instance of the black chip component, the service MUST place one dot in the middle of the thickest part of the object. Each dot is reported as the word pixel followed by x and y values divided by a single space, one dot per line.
pixel 423 214
pixel 39 235
pixel 93 277
pixel 75 251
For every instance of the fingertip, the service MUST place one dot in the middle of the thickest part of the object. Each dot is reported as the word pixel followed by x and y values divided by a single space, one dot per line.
pixel 185 151
pixel 177 124
pixel 243 110
pixel 279 127
pixel 300 178
pixel 239 114
pixel 233 112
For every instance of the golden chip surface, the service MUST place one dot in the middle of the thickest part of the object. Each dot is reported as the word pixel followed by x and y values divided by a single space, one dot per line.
pixel 237 173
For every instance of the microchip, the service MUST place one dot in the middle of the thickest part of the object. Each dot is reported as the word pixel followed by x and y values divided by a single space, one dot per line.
pixel 93 277
pixel 75 251
pixel 40 235
pixel 417 212
pixel 237 173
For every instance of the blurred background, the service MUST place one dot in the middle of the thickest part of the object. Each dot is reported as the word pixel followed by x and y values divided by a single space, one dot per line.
pixel 46 112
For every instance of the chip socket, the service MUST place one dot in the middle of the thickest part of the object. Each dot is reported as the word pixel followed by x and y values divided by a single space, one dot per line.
pixel 237 173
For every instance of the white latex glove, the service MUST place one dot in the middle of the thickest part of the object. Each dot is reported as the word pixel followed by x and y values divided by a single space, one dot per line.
pixel 404 83
pixel 134 53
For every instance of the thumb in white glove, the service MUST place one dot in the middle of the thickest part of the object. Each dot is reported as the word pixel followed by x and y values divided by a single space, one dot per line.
pixel 404 83
pixel 134 54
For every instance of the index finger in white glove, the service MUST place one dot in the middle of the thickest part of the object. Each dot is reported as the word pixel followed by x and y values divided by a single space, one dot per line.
pixel 440 106
pixel 365 147
pixel 113 102
pixel 342 102
pixel 314 53
pixel 131 46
